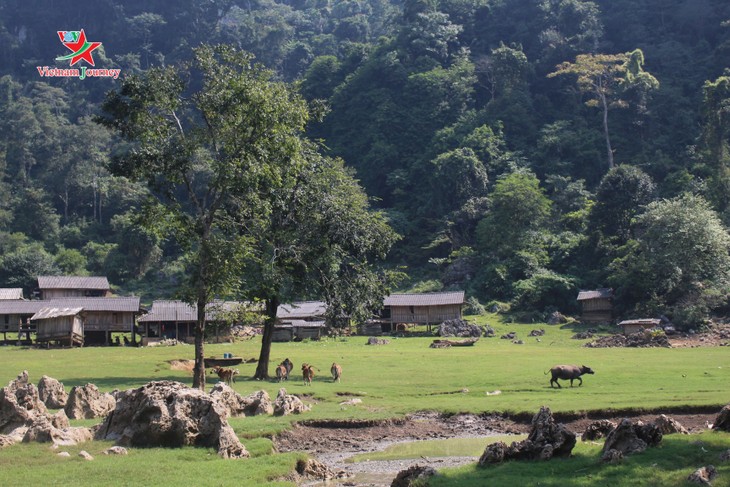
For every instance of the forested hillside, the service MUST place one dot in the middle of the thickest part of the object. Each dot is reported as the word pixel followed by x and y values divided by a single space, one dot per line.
pixel 523 149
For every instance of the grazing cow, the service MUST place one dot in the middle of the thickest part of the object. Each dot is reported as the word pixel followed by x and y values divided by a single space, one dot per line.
pixel 224 374
pixel 307 374
pixel 568 372
pixel 281 373
pixel 288 364
pixel 336 371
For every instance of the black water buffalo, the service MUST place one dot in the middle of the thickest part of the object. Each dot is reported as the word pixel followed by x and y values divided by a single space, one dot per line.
pixel 565 372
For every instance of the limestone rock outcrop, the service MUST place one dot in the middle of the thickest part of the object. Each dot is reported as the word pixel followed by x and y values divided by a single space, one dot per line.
pixel 547 439
pixel 87 402
pixel 52 393
pixel 170 414
pixel 286 404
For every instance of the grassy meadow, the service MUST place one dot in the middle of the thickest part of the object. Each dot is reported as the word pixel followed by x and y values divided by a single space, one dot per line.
pixel 392 380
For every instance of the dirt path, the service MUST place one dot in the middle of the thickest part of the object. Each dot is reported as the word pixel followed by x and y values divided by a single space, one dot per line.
pixel 332 442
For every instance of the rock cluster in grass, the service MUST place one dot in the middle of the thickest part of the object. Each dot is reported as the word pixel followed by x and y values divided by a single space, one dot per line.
pixel 458 328
pixel 703 476
pixel 377 341
pixel 630 437
pixel 170 414
pixel 316 470
pixel 536 333
pixel 669 425
pixel 547 439
pixel 286 404
pixel 582 335
pixel 645 339
pixel 413 476
pixel 722 422
pixel 556 318
pixel 87 402
pixel 254 404
pixel 24 417
pixel 597 430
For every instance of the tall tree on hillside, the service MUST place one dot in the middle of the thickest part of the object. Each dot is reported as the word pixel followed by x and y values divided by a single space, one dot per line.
pixel 207 137
pixel 715 138
pixel 605 77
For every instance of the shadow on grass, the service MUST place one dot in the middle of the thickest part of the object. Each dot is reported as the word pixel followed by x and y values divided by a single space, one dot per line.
pixel 122 383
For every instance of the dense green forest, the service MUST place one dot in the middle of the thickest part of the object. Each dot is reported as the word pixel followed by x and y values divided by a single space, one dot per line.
pixel 523 149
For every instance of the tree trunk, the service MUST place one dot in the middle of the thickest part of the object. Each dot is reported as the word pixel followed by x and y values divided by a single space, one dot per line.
pixel 605 130
pixel 262 369
pixel 199 368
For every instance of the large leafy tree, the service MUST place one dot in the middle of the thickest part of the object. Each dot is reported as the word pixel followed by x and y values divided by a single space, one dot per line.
pixel 317 240
pixel 678 264
pixel 623 192
pixel 207 136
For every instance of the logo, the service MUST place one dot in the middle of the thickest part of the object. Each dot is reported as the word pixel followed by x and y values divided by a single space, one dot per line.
pixel 81 50
pixel 79 46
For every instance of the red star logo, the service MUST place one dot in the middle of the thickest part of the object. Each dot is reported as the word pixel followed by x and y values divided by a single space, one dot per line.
pixel 80 49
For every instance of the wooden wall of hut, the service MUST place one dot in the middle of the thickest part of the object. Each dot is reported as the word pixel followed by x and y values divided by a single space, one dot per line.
pixel 109 321
pixel 60 328
pixel 425 314
pixel 11 323
pixel 597 310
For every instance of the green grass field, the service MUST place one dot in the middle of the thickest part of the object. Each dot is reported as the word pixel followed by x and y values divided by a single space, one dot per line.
pixel 392 380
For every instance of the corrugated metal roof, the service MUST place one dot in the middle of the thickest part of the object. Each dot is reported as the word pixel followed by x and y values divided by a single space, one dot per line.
pixel 596 294
pixel 51 312
pixel 301 324
pixel 73 282
pixel 643 322
pixel 168 310
pixel 11 293
pixel 304 309
pixel 129 304
pixel 17 307
pixel 425 299
pixel 125 304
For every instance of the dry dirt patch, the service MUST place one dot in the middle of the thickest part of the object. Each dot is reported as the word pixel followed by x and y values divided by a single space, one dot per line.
pixel 182 364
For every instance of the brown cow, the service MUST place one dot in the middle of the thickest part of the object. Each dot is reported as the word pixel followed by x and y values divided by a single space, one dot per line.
pixel 224 374
pixel 288 364
pixel 336 371
pixel 568 372
pixel 307 374
pixel 281 373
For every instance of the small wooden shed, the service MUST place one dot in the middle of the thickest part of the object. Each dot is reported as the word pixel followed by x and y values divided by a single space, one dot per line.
pixel 300 320
pixel 637 326
pixel 596 305
pixel 103 316
pixel 298 330
pixel 62 325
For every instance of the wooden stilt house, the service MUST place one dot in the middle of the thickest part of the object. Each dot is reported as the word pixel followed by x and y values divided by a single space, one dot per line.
pixel 177 319
pixel 426 308
pixel 596 305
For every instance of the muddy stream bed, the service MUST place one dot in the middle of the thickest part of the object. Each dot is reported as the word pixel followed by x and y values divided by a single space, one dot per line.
pixel 334 442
